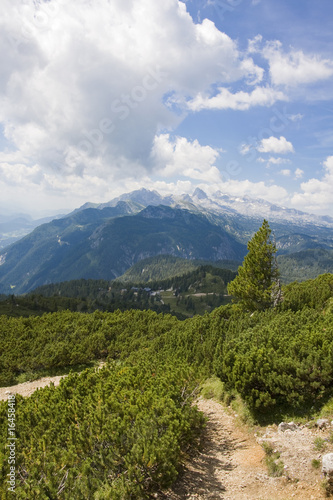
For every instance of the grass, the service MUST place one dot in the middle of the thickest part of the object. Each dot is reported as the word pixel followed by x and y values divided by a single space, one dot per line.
pixel 268 448
pixel 213 388
pixel 238 405
pixel 315 463
pixel 274 466
pixel 320 444
pixel 327 488
pixel 327 409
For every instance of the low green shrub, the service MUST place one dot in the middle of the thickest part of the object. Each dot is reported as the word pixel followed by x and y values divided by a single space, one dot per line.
pixel 315 463
pixel 213 388
pixel 275 468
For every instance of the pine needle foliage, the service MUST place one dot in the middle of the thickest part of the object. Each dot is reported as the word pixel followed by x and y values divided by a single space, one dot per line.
pixel 257 283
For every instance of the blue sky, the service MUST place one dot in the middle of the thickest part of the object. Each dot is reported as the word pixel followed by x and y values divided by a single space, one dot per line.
pixel 104 97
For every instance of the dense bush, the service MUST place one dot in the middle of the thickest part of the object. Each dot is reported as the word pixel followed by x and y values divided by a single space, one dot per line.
pixel 285 359
pixel 67 339
pixel 312 293
pixel 117 433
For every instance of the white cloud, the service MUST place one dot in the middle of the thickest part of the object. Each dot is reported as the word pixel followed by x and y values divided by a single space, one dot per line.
pixel 316 194
pixel 245 149
pixel 272 192
pixel 296 118
pixel 277 161
pixel 286 172
pixel 275 145
pixel 180 157
pixel 19 173
pixel 295 67
pixel 299 173
pixel 260 96
pixel 254 44
pixel 82 87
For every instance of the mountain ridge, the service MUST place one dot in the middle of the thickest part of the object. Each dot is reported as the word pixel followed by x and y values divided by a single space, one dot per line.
pixel 105 243
pixel 221 203
pixel 102 242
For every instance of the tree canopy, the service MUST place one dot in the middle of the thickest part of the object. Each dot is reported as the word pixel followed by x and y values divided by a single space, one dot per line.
pixel 256 287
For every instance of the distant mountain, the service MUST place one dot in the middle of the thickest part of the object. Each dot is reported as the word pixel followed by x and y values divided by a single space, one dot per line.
pixel 240 216
pixel 258 208
pixel 104 243
pixel 297 266
pixel 14 227
pixel 221 204
pixel 305 264
pixel 162 267
pixel 292 243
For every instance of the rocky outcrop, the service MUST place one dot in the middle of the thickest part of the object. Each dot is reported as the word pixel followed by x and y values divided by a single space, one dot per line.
pixel 327 469
pixel 287 426
pixel 322 423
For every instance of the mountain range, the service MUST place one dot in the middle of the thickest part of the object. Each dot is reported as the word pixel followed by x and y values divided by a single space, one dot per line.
pixel 219 204
pixel 102 241
pixel 13 227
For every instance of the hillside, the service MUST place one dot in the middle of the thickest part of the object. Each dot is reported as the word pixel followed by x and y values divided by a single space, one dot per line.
pixel 242 213
pixel 195 292
pixel 105 241
pixel 305 264
pixel 16 226
pixel 103 244
pixel 158 283
pixel 122 432
pixel 294 266
pixel 235 451
pixel 163 267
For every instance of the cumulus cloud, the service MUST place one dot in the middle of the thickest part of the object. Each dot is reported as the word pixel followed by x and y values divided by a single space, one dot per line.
pixel 295 68
pixel 82 87
pixel 286 172
pixel 275 145
pixel 180 157
pixel 316 194
pixel 273 161
pixel 245 149
pixel 260 96
pixel 254 44
pixel 270 192
pixel 299 173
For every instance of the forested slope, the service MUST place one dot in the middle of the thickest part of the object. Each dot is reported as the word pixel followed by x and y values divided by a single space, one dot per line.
pixel 120 432
pixel 200 290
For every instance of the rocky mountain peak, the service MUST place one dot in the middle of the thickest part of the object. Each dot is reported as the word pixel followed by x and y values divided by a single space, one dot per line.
pixel 200 194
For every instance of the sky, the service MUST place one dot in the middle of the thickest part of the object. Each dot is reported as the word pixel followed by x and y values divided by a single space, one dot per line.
pixel 102 97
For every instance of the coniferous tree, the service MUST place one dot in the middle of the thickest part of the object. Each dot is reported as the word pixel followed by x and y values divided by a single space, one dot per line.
pixel 257 281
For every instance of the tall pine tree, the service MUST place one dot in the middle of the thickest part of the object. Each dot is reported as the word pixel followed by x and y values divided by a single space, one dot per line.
pixel 257 281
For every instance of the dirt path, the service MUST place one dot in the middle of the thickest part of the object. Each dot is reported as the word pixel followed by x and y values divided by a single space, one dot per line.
pixel 230 465
pixel 27 388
